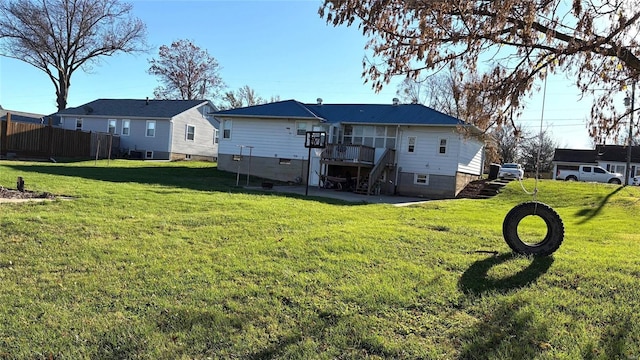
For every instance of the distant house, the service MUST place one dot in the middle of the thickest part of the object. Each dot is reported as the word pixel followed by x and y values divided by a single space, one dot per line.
pixel 22 116
pixel 405 149
pixel 151 129
pixel 610 157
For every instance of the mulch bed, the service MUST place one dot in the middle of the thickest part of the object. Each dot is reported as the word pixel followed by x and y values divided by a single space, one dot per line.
pixel 15 194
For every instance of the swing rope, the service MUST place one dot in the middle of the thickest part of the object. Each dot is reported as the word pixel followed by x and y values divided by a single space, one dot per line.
pixel 534 193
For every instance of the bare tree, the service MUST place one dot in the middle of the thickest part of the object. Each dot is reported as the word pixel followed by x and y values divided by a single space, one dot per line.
pixel 508 141
pixel 537 152
pixel 62 36
pixel 438 91
pixel 244 96
pixel 510 44
pixel 186 72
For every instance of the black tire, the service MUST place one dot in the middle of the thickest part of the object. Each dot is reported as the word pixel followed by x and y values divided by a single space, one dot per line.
pixel 553 238
pixel 571 178
pixel 615 181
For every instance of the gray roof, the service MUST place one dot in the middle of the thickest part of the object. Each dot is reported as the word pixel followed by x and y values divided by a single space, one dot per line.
pixel 411 114
pixel 133 108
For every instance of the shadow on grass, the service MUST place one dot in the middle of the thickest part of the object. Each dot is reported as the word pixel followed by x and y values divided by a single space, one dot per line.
pixel 475 279
pixel 590 213
pixel 201 179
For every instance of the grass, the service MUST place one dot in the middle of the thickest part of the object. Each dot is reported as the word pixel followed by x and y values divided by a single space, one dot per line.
pixel 172 261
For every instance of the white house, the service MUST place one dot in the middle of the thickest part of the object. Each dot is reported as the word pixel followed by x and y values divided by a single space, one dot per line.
pixel 405 149
pixel 151 129
pixel 610 157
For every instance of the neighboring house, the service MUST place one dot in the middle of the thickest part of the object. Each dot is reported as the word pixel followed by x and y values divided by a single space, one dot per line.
pixel 21 116
pixel 151 129
pixel 405 149
pixel 610 157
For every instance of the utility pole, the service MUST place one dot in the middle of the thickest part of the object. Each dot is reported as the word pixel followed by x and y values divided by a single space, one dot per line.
pixel 629 139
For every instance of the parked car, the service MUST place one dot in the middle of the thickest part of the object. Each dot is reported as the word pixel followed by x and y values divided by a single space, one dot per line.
pixel 589 173
pixel 511 171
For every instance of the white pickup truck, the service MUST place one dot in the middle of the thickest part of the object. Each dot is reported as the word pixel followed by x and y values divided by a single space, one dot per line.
pixel 589 173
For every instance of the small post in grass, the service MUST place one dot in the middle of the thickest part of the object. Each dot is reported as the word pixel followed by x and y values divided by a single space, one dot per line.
pixel 20 184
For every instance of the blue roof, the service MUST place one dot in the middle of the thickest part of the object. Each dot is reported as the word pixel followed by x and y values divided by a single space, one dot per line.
pixel 133 108
pixel 411 114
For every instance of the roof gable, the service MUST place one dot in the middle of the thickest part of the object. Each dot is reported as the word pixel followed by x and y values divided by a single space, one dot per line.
pixel 133 108
pixel 411 114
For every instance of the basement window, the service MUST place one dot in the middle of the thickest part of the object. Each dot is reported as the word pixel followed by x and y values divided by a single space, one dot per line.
pixel 148 155
pixel 285 161
pixel 421 179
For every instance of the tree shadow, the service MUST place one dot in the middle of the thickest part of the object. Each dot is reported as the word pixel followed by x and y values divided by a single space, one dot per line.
pixel 590 213
pixel 475 280
pixel 201 179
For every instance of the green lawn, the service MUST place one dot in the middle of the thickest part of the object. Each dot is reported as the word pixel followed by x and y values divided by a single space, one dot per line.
pixel 172 261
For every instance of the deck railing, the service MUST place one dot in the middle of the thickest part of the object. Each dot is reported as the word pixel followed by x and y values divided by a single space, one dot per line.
pixel 349 153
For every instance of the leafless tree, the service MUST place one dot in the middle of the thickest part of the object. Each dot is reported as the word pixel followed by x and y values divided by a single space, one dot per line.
pixel 62 36
pixel 244 96
pixel 537 152
pixel 186 72
pixel 509 45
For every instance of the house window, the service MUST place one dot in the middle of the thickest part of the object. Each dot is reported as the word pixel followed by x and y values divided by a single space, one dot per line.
pixel 151 128
pixel 617 168
pixel 301 128
pixel 285 161
pixel 111 129
pixel 411 147
pixel 191 133
pixel 78 124
pixel 443 146
pixel 226 129
pixel 421 179
pixel 126 126
pixel 148 155
pixel 216 135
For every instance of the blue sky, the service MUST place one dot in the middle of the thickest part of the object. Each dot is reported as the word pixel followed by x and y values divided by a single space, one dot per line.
pixel 278 48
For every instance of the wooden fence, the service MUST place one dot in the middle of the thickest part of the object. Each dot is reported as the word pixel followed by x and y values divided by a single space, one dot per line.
pixel 45 141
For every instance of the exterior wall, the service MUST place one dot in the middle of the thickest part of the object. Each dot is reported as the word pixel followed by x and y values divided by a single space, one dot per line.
pixel 439 186
pixel 471 156
pixel 264 167
pixel 425 159
pixel 136 140
pixel 270 139
pixel 203 145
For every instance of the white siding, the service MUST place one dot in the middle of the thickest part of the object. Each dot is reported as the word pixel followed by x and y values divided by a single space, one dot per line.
pixel 203 142
pixel 471 156
pixel 271 138
pixel 426 159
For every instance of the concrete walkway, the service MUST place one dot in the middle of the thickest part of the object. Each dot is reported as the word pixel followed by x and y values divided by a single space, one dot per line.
pixel 314 191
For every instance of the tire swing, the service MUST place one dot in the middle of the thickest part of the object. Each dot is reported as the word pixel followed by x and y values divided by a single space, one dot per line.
pixel 555 227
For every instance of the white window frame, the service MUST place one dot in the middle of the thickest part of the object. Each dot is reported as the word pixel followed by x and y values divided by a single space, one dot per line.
pixel 148 154
pixel 146 133
pixel 128 127
pixel 411 145
pixel 227 127
pixel 216 136
pixel 186 132
pixel 421 179
pixel 442 146
pixel 301 130
pixel 79 123
pixel 112 129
